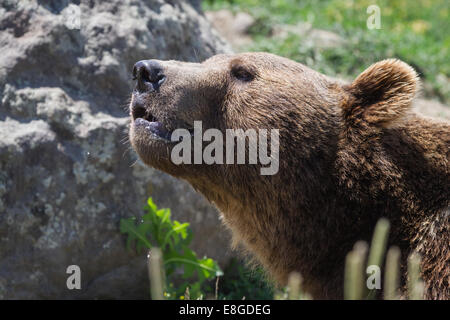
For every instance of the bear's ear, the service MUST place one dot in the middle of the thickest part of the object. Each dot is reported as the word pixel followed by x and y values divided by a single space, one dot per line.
pixel 382 93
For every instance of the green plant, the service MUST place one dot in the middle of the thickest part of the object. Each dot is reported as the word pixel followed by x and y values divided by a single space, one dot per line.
pixel 241 282
pixel 172 238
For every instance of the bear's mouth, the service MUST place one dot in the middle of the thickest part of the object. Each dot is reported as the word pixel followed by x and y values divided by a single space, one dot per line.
pixel 143 119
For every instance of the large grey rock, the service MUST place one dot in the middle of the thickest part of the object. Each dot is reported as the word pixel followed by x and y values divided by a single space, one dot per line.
pixel 67 175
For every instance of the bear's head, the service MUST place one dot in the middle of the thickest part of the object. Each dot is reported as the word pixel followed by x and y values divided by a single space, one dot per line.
pixel 257 91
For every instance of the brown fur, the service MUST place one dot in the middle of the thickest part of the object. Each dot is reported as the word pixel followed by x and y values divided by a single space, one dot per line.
pixel 349 154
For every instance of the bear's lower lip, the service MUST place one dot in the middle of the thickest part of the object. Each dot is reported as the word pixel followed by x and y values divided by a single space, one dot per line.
pixel 154 128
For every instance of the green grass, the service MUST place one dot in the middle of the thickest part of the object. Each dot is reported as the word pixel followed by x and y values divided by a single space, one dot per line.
pixel 416 32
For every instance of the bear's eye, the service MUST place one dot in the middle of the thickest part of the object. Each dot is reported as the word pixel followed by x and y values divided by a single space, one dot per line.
pixel 242 74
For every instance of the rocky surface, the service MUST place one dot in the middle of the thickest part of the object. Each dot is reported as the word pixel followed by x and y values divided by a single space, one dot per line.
pixel 67 175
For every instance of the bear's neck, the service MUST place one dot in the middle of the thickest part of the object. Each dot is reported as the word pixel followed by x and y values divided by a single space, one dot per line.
pixel 285 220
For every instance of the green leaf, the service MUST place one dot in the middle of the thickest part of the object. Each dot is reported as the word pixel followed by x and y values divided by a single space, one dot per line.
pixel 128 226
pixel 151 206
pixel 181 228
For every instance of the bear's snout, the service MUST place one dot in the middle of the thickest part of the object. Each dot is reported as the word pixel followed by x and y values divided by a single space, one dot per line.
pixel 149 75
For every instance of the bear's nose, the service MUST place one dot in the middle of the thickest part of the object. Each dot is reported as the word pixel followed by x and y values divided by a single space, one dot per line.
pixel 149 75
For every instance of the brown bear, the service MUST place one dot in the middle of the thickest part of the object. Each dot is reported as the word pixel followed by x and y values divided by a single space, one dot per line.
pixel 348 155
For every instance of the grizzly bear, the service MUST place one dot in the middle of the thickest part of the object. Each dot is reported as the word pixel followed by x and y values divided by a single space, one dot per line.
pixel 348 155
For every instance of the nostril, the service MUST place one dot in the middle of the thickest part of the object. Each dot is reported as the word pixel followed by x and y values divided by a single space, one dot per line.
pixel 144 75
pixel 148 72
